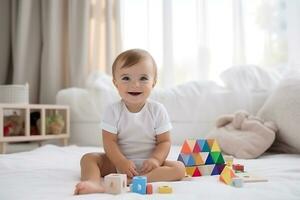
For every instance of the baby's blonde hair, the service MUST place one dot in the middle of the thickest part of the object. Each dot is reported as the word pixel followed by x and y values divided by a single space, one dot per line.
pixel 131 57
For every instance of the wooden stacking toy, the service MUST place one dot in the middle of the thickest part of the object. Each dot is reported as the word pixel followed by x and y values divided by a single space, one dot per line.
pixel 227 175
pixel 201 157
pixel 139 184
pixel 165 189
pixel 115 183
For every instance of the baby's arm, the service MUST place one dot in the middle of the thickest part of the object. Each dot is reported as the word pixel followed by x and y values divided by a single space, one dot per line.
pixel 160 153
pixel 113 152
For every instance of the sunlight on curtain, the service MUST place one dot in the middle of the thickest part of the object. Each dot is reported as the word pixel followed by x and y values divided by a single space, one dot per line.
pixel 104 34
pixel 198 39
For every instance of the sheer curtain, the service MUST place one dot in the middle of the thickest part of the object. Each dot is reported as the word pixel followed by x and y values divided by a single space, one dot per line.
pixel 198 39
pixel 56 44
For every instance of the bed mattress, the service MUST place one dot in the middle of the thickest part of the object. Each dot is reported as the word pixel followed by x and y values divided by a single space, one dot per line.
pixel 51 172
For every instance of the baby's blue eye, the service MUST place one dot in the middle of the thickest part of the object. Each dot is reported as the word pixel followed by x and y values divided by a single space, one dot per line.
pixel 144 78
pixel 125 78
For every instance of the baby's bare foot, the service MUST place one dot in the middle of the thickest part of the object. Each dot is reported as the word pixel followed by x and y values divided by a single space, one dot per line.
pixel 88 187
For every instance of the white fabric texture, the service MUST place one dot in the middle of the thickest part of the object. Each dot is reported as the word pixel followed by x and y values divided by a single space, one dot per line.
pixel 193 107
pixel 283 108
pixel 249 78
pixel 136 131
pixel 51 172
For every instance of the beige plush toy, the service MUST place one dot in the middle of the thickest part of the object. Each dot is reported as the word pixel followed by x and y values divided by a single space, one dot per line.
pixel 243 135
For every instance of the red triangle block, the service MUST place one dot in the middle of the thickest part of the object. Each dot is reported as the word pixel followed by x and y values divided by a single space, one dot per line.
pixel 196 172
pixel 197 148
pixel 186 148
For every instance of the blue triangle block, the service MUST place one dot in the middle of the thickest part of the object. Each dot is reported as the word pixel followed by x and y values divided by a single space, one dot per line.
pixel 184 158
pixel 180 159
pixel 191 161
pixel 209 160
pixel 215 171
pixel 221 167
pixel 205 147
pixel 201 143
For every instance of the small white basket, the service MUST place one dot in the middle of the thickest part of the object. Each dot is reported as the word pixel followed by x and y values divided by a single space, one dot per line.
pixel 14 94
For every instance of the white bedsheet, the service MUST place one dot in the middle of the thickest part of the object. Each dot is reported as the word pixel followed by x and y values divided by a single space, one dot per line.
pixel 50 172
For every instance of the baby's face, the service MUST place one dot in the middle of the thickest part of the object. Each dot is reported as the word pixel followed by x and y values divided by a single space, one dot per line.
pixel 135 83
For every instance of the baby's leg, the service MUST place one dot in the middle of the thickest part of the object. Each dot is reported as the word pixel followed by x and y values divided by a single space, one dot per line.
pixel 93 167
pixel 170 171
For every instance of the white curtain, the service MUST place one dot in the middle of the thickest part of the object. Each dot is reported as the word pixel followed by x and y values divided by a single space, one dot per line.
pixel 198 39
pixel 54 44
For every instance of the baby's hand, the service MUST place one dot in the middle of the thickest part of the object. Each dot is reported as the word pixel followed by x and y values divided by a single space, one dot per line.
pixel 128 167
pixel 149 165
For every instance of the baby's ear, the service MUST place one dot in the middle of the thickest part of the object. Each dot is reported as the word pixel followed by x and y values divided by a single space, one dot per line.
pixel 154 83
pixel 114 82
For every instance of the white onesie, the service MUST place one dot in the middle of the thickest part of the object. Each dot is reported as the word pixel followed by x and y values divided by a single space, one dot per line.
pixel 136 131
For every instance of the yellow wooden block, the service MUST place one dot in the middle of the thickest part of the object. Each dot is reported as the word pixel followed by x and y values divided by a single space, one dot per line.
pixel 215 147
pixel 190 170
pixel 227 175
pixel 228 160
pixel 164 189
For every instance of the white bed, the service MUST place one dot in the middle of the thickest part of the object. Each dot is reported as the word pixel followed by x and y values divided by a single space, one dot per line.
pixel 50 172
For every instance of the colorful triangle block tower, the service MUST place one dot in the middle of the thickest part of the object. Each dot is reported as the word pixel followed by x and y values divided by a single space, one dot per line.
pixel 201 157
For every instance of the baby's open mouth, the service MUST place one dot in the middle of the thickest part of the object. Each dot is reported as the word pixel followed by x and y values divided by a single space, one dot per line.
pixel 134 93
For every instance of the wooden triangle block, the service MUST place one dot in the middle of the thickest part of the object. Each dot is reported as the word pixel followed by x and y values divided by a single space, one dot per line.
pixel 186 148
pixel 198 159
pixel 201 143
pixel 215 171
pixel 209 160
pixel 227 175
pixel 210 142
pixel 205 147
pixel 197 148
pixel 190 170
pixel 206 169
pixel 220 159
pixel 191 161
pixel 191 143
pixel 184 158
pixel 220 167
pixel 215 146
pixel 215 156
pixel 197 172
pixel 204 156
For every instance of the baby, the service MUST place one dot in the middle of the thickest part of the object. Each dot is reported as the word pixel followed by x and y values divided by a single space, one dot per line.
pixel 135 130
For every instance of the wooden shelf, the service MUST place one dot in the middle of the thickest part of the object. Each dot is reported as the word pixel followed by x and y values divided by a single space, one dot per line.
pixel 33 122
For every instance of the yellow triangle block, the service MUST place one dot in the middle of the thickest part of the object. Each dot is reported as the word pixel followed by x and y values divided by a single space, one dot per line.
pixel 215 147
pixel 210 142
pixel 227 175
pixel 190 170
pixel 198 159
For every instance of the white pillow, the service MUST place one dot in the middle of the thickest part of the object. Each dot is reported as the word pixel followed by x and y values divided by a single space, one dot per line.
pixel 250 78
pixel 283 108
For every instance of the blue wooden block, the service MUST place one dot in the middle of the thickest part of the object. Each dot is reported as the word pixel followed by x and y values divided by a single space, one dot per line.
pixel 139 184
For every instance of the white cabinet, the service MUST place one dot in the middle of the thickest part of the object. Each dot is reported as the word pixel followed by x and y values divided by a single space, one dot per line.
pixel 33 122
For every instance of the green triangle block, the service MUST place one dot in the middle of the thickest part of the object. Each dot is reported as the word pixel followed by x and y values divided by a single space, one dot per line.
pixel 215 156
pixel 220 159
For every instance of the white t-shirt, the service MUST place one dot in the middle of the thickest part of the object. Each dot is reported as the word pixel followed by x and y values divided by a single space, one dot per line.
pixel 136 131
